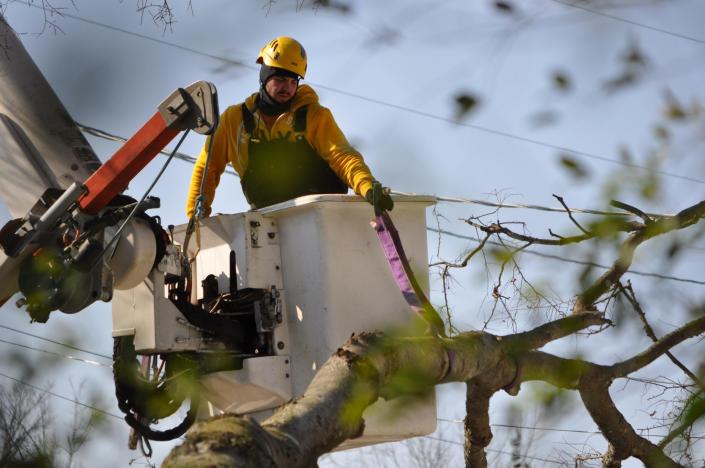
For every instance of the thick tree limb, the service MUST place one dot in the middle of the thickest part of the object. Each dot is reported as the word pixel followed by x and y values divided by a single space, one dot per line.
pixel 593 381
pixel 331 409
pixel 478 433
pixel 623 439
pixel 364 369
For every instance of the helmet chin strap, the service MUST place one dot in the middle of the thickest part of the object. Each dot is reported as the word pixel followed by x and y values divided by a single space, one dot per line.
pixel 265 102
pixel 269 106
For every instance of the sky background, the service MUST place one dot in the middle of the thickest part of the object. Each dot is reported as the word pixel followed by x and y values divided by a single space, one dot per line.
pixel 392 73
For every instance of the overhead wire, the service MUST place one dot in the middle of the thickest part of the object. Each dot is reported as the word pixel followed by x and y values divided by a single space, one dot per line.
pixel 527 206
pixel 65 356
pixel 56 395
pixel 391 105
pixel 510 135
pixel 533 428
pixel 503 452
pixel 103 134
pixel 569 260
pixel 112 137
pixel 443 198
pixel 628 21
pixel 76 348
pixel 140 36
pixel 555 429
pixel 513 206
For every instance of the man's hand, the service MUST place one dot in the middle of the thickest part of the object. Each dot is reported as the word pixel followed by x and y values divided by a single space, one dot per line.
pixel 379 197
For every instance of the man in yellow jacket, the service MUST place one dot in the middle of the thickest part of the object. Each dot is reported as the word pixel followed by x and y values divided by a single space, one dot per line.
pixel 282 142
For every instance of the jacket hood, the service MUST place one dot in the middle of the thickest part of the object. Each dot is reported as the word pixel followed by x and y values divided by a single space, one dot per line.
pixel 305 95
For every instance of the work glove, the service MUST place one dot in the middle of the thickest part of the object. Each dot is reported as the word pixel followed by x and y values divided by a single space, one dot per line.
pixel 379 197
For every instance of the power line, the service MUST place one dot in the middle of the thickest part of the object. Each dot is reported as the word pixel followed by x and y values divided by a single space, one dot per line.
pixel 65 356
pixel 570 260
pixel 394 106
pixel 112 137
pixel 103 134
pixel 555 429
pixel 48 392
pixel 633 23
pixel 143 36
pixel 528 206
pixel 530 457
pixel 533 428
pixel 56 342
pixel 185 157
pixel 509 135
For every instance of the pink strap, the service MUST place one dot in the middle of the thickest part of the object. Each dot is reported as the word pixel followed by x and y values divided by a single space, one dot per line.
pixel 404 277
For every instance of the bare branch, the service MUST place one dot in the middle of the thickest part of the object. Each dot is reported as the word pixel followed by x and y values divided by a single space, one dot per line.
pixel 570 214
pixel 466 259
pixel 689 330
pixel 628 292
pixel 496 228
pixel 632 209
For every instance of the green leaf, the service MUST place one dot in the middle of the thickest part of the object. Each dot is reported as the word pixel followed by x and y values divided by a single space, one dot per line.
pixel 464 104
pixel 504 6
pixel 501 255
pixel 662 133
pixel 561 80
pixel 575 168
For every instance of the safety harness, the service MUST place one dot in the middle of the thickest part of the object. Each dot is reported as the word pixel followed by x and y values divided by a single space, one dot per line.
pixel 280 169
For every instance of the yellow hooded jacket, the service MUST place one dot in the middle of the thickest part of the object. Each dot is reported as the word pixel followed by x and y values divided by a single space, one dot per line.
pixel 230 144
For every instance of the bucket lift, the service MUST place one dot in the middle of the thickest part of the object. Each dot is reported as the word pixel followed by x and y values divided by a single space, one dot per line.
pixel 271 294
pixel 299 278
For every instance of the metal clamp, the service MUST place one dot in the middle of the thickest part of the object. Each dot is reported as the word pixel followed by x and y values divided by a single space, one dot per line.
pixel 268 313
pixel 194 107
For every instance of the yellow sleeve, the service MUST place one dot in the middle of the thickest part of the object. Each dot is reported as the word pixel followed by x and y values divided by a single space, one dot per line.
pixel 223 150
pixel 329 142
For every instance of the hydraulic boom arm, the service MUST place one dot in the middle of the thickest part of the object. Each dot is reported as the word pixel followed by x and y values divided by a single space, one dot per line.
pixel 63 244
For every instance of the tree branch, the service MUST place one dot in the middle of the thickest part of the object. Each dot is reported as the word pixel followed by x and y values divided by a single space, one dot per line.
pixel 496 228
pixel 624 441
pixel 628 292
pixel 478 433
pixel 689 330
pixel 631 209
pixel 570 214
pixel 552 331
pixel 331 409
pixel 365 368
pixel 467 258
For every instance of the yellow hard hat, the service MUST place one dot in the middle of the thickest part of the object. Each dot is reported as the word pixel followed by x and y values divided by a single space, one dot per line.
pixel 284 52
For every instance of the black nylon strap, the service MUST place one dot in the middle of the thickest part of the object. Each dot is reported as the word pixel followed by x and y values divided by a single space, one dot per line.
pixel 300 119
pixel 248 119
